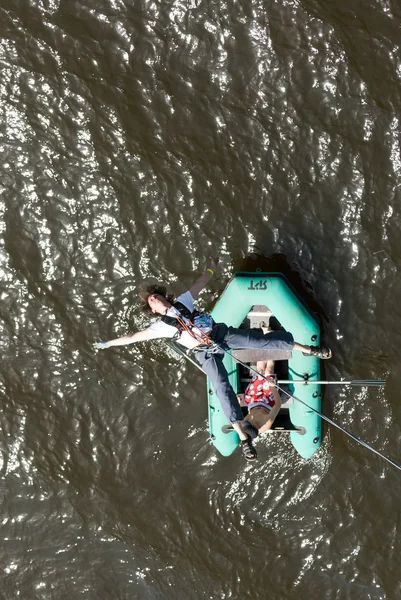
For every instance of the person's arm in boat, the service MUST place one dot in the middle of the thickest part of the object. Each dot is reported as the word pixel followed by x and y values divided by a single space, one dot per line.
pixel 203 280
pixel 139 336
pixel 273 413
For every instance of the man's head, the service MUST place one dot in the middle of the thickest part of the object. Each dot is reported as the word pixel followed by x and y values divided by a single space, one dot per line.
pixel 155 299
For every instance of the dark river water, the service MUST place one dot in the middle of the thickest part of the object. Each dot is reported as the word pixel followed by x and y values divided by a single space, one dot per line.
pixel 138 138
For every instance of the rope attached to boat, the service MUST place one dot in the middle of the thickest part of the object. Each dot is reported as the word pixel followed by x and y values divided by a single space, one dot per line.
pixel 321 415
pixel 204 338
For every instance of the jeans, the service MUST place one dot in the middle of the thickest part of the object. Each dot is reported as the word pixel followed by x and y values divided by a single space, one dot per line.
pixel 231 337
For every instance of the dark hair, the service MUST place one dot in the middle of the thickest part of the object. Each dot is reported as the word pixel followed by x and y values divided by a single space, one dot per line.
pixel 147 291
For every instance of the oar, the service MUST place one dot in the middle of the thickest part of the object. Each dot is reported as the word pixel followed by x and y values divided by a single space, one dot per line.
pixel 356 382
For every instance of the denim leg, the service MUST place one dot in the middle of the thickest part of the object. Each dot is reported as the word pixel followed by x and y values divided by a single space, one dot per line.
pixel 257 340
pixel 213 366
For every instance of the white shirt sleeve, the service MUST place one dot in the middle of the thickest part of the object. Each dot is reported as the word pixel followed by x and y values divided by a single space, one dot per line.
pixel 187 300
pixel 159 329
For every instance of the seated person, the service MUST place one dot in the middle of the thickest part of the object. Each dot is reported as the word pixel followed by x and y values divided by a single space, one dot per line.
pixel 263 403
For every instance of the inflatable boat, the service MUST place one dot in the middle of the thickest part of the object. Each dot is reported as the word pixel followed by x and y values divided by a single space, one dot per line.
pixel 267 299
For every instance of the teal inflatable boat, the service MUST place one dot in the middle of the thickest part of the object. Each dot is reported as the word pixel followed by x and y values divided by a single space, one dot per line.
pixel 251 300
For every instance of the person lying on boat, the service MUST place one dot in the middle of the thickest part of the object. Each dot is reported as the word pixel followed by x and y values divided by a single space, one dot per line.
pixel 208 340
pixel 263 402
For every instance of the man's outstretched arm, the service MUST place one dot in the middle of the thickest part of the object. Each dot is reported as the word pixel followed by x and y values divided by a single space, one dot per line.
pixel 139 336
pixel 203 280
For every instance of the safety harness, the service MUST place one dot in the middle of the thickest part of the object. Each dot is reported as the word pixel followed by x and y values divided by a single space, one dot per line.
pixel 179 323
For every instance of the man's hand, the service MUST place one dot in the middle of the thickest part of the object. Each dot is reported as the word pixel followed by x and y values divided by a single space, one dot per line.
pixel 213 263
pixel 101 345
pixel 204 279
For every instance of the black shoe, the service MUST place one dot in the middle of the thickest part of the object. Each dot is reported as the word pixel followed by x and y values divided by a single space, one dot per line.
pixel 248 450
pixel 320 352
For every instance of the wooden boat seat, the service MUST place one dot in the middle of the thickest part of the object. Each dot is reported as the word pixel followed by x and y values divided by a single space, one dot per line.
pixel 252 356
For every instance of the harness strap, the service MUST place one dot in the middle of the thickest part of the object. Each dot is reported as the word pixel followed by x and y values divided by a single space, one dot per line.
pixel 179 323
pixel 199 336
pixel 184 311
